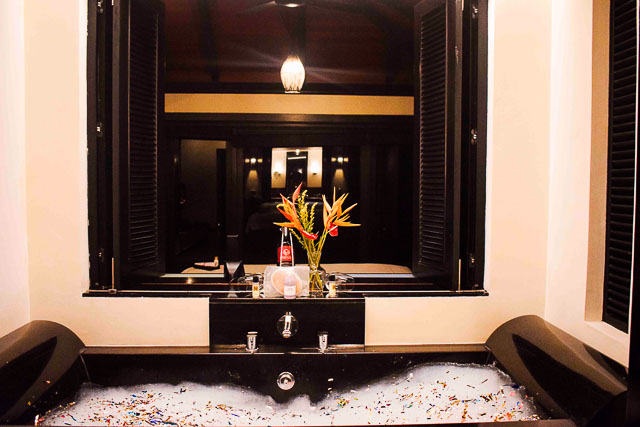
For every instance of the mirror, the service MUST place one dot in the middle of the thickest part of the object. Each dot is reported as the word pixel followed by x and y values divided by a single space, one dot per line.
pixel 381 245
pixel 233 186
pixel 240 45
pixel 199 185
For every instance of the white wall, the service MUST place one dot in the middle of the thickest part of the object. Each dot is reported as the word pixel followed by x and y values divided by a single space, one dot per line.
pixel 14 290
pixel 569 189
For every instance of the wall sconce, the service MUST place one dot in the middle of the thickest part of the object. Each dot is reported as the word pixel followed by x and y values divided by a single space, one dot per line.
pixel 340 160
pixel 277 169
pixel 315 168
pixel 292 74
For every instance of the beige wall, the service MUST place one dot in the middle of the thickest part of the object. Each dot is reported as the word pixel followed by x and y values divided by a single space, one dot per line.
pixel 569 194
pixel 599 154
pixel 14 289
pixel 522 204
pixel 57 197
pixel 517 193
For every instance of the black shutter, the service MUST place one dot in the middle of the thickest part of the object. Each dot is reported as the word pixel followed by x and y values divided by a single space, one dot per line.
pixel 99 143
pixel 621 162
pixel 438 105
pixel 138 106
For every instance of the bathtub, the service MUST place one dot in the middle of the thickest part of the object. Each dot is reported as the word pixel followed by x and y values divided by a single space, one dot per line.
pixel 43 364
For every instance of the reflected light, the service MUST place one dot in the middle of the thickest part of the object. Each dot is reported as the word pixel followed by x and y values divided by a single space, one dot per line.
pixel 277 169
pixel 253 182
pixel 315 168
pixel 339 180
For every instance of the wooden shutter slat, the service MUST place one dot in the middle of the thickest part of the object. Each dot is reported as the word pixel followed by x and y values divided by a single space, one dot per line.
pixel 621 163
pixel 438 74
pixel 138 52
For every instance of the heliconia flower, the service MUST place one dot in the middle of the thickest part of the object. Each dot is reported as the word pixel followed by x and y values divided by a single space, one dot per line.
pixel 325 211
pixel 287 204
pixel 344 223
pixel 333 215
pixel 296 193
pixel 309 236
pixel 285 224
pixel 288 209
pixel 286 215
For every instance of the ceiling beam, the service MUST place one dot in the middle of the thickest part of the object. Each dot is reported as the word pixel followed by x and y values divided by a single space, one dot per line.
pixel 205 10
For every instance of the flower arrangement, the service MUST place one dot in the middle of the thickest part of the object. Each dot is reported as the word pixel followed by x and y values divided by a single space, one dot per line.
pixel 301 219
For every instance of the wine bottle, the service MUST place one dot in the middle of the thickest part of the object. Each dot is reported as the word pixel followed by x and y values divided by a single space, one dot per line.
pixel 285 249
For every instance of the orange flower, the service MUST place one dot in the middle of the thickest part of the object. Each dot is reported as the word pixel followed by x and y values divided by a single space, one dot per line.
pixel 290 213
pixel 334 216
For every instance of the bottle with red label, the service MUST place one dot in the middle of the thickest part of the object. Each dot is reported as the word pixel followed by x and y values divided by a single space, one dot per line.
pixel 285 250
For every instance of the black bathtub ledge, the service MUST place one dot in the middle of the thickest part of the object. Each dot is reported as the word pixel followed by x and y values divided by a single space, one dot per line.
pixel 568 378
pixel 39 364
pixel 106 293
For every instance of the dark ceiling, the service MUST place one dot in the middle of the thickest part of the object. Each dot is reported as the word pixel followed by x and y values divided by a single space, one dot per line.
pixel 346 46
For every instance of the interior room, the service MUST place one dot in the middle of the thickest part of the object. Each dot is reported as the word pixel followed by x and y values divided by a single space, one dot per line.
pixel 343 211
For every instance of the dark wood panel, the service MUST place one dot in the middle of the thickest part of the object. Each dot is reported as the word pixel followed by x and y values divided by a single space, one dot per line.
pixel 99 144
pixel 138 153
pixel 437 154
pixel 309 88
pixel 216 45
pixel 230 320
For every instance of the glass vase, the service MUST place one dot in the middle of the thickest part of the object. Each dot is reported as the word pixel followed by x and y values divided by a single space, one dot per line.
pixel 316 275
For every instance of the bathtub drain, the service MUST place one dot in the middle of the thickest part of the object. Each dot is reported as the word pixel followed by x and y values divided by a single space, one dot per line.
pixel 286 381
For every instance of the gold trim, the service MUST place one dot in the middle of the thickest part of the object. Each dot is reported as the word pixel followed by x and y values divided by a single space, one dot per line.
pixel 288 104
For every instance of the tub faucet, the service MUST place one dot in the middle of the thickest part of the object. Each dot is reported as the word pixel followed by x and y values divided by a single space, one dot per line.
pixel 252 342
pixel 287 325
pixel 323 341
pixel 286 332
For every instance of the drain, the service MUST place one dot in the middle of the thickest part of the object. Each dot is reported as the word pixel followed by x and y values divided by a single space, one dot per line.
pixel 286 381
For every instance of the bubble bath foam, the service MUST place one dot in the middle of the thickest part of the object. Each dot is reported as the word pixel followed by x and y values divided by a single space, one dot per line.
pixel 428 393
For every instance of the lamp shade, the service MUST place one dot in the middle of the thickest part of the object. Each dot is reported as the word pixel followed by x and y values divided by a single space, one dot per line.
pixel 292 74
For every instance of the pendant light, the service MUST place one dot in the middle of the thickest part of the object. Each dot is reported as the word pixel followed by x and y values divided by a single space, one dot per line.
pixel 292 74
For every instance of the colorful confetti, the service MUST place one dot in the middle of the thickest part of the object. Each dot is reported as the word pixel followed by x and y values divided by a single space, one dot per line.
pixel 442 393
